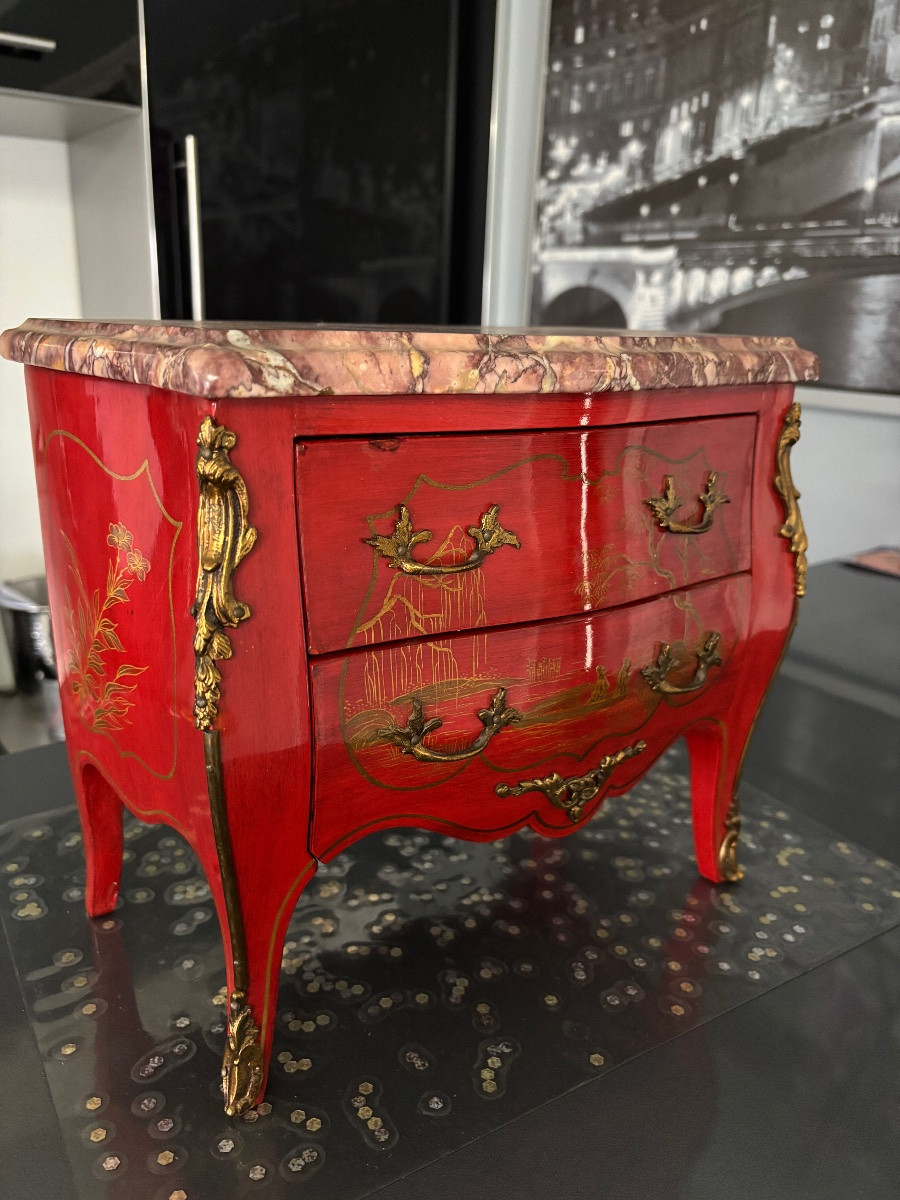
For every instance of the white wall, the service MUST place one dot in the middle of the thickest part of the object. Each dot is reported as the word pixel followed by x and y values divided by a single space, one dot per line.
pixel 847 467
pixel 38 277
pixel 517 118
pixel 114 222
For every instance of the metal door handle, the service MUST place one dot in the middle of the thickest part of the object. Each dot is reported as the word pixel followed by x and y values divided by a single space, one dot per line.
pixel 707 656
pixel 664 506
pixel 24 41
pixel 488 537
pixel 195 230
pixel 410 737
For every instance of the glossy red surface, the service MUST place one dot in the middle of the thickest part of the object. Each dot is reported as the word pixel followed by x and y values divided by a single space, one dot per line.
pixel 118 490
pixel 578 688
pixel 577 503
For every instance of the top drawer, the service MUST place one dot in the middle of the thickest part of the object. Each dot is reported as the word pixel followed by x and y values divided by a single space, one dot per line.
pixel 420 536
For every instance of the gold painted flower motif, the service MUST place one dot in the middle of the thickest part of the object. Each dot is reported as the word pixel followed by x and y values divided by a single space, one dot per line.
pixel 120 537
pixel 102 700
pixel 137 564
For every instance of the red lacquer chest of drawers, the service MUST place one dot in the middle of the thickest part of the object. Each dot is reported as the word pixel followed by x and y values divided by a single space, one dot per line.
pixel 310 583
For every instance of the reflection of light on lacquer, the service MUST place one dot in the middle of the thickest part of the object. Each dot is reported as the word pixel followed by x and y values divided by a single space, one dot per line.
pixel 589 632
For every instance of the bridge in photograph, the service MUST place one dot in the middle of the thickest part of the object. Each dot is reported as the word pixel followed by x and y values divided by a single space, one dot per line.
pixel 687 275
pixel 802 208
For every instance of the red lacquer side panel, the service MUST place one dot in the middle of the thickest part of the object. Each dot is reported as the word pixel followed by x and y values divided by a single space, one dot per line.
pixel 117 480
pixel 117 510
pixel 577 503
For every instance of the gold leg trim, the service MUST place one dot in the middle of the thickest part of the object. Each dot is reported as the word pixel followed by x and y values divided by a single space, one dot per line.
pixel 729 867
pixel 224 536
pixel 242 1066
pixel 784 485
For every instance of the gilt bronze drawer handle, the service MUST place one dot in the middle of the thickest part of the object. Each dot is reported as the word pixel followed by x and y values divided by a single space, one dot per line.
pixel 410 737
pixel 488 537
pixel 707 656
pixel 573 795
pixel 665 505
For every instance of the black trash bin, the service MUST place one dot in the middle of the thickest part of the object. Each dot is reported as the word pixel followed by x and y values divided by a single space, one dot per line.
pixel 26 618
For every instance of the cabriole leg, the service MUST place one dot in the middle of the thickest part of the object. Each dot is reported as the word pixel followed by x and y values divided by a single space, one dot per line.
pixel 256 897
pixel 716 752
pixel 101 824
pixel 267 913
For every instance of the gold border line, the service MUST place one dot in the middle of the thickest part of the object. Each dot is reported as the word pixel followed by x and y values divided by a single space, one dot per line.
pixel 310 866
pixel 142 814
pixel 145 466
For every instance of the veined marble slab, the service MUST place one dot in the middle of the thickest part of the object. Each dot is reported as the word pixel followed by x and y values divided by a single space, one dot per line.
pixel 215 360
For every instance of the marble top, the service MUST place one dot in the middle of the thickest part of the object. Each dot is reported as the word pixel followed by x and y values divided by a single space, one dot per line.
pixel 214 360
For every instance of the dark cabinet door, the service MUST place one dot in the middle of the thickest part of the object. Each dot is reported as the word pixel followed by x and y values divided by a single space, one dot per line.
pixel 335 179
pixel 86 48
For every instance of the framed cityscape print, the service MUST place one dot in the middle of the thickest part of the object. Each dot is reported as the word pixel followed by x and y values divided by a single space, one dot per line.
pixel 731 165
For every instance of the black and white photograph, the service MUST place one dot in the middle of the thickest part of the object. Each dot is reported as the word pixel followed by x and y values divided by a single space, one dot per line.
pixel 731 166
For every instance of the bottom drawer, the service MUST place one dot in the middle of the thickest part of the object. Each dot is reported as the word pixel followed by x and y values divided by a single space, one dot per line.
pixel 478 734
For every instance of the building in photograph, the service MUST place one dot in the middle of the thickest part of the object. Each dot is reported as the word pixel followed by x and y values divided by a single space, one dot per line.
pixel 702 156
